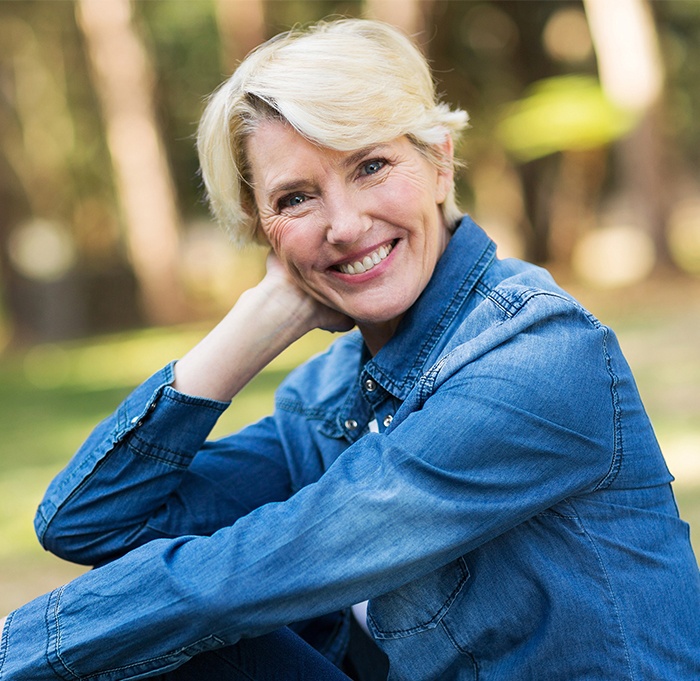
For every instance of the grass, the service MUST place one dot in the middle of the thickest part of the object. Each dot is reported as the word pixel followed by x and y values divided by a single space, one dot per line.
pixel 52 395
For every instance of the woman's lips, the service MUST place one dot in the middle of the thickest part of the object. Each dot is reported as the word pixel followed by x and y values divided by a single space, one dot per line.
pixel 367 262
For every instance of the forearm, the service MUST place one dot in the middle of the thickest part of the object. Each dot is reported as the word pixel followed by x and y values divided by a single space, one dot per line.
pixel 265 321
pixel 205 592
pixel 101 504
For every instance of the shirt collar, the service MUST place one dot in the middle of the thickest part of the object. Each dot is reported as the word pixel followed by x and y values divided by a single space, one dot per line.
pixel 422 332
pixel 399 364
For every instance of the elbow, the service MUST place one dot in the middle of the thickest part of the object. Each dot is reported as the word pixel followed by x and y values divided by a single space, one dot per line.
pixel 69 546
pixel 73 542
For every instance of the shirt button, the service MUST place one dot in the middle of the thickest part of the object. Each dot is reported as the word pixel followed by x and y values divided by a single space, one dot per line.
pixel 351 424
pixel 387 420
pixel 370 385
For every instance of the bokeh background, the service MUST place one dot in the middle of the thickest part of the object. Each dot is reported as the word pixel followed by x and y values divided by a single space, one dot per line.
pixel 583 156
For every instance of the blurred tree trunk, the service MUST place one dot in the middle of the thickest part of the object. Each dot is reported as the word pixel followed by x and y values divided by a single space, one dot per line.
pixel 632 75
pixel 123 79
pixel 36 141
pixel 408 15
pixel 241 28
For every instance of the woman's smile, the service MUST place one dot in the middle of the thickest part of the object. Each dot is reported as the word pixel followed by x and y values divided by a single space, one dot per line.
pixel 360 231
pixel 367 262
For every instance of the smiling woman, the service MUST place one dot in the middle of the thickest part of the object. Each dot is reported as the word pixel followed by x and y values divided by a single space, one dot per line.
pixel 359 232
pixel 474 460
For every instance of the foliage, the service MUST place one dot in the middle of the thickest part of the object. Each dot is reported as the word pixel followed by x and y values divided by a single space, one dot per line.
pixel 561 114
pixel 487 56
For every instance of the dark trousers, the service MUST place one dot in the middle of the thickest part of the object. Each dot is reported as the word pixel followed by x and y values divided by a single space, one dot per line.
pixel 284 656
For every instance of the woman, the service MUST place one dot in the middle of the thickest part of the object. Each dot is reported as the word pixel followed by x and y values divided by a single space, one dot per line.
pixel 475 462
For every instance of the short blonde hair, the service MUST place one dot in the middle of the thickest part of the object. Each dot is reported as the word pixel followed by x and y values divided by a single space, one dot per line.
pixel 342 84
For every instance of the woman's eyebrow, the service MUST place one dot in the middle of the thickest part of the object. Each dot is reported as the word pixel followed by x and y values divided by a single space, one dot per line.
pixel 290 186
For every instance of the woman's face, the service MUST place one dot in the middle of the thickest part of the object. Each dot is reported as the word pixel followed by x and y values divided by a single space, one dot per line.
pixel 360 231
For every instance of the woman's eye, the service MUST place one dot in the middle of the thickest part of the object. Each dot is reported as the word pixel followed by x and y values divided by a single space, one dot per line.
pixel 291 200
pixel 373 166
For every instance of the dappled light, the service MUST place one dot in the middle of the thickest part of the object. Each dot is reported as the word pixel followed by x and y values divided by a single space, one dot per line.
pixel 42 250
pixel 566 36
pixel 488 30
pixel 684 235
pixel 614 256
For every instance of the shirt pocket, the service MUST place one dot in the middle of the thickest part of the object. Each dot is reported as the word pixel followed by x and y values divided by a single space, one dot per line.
pixel 419 605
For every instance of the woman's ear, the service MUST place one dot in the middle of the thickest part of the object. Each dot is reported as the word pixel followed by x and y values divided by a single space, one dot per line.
pixel 445 180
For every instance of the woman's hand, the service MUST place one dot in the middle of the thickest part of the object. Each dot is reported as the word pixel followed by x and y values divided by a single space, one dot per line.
pixel 265 320
pixel 300 304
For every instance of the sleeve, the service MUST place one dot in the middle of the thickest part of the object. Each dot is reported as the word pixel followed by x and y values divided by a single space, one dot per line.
pixel 147 472
pixel 486 443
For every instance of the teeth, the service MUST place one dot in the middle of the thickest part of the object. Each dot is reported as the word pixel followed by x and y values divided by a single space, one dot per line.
pixel 368 262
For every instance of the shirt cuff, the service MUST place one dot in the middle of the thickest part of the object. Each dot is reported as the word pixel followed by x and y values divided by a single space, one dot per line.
pixel 26 643
pixel 163 423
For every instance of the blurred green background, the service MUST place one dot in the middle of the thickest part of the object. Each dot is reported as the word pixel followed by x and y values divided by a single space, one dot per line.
pixel 583 156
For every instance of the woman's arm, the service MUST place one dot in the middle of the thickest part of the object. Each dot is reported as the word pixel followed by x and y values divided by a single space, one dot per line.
pixel 483 453
pixel 117 491
pixel 265 321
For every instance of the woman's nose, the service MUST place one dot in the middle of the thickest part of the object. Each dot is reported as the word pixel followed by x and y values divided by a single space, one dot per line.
pixel 347 220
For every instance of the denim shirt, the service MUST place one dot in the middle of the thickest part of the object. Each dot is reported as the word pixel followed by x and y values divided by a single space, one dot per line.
pixel 489 480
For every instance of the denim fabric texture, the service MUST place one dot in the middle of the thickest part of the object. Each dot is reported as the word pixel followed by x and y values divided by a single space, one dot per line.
pixel 489 480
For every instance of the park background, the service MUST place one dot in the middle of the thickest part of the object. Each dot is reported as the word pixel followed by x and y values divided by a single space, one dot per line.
pixel 583 156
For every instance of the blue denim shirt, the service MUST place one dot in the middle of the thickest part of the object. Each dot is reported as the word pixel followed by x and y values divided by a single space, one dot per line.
pixel 489 480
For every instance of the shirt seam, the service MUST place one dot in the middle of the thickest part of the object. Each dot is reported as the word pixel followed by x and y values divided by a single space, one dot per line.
pixel 611 591
pixel 148 450
pixel 616 462
pixel 5 642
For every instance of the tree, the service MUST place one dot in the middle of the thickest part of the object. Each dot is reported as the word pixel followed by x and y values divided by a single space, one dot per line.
pixel 123 79
pixel 632 74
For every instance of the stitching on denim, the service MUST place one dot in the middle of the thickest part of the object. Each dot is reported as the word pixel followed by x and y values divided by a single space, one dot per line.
pixel 447 317
pixel 437 617
pixel 151 451
pixel 618 619
pixel 87 478
pixel 135 665
pixel 461 650
pixel 5 641
pixel 54 613
pixel 297 407
pixel 616 461
pixel 187 400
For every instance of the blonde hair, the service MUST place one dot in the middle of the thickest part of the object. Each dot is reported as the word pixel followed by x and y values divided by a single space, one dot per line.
pixel 342 84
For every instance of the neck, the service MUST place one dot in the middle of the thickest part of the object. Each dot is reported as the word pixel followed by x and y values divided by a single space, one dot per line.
pixel 376 336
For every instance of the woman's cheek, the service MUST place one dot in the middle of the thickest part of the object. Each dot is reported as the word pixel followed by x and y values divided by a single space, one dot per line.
pixel 274 232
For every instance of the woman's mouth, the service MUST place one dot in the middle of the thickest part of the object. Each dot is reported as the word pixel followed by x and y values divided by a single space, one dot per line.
pixel 368 262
